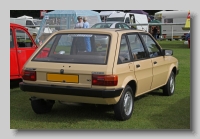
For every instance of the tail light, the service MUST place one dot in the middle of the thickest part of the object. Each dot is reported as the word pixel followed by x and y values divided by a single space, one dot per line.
pixel 105 80
pixel 29 75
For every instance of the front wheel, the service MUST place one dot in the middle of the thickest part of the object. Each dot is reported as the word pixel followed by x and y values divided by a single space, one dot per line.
pixel 124 108
pixel 169 88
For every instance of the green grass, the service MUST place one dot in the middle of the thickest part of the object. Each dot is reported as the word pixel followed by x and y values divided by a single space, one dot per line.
pixel 151 111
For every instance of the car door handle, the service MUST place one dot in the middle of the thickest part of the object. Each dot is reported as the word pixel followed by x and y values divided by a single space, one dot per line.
pixel 19 51
pixel 154 62
pixel 137 66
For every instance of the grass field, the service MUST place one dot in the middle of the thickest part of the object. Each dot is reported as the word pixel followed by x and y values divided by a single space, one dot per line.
pixel 151 111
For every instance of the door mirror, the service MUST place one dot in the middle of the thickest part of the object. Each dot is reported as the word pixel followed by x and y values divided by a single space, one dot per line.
pixel 62 52
pixel 167 52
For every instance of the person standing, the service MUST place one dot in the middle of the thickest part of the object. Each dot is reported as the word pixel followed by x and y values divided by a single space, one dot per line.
pixel 187 37
pixel 79 24
pixel 155 31
pixel 79 40
pixel 85 23
pixel 87 39
pixel 158 34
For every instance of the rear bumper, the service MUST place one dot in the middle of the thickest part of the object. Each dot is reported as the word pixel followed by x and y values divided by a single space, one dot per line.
pixel 66 90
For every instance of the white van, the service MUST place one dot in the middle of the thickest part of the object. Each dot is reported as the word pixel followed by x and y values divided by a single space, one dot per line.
pixel 172 17
pixel 105 14
pixel 130 18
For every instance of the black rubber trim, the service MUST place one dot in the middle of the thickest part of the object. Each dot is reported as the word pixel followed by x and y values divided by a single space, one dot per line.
pixel 177 72
pixel 66 90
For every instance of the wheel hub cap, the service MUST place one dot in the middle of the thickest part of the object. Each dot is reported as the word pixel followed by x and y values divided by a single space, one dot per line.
pixel 128 102
pixel 172 85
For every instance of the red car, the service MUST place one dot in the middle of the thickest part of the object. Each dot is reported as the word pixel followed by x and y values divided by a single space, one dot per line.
pixel 22 47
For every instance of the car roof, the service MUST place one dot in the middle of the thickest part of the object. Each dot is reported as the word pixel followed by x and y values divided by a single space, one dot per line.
pixel 16 25
pixel 109 22
pixel 99 30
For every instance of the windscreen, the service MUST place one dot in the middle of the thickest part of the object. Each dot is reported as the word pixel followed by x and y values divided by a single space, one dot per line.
pixel 117 19
pixel 37 22
pixel 75 48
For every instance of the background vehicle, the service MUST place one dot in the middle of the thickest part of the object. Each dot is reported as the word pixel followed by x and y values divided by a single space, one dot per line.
pixel 103 40
pixel 119 25
pixel 172 17
pixel 22 47
pixel 130 18
pixel 29 21
pixel 104 14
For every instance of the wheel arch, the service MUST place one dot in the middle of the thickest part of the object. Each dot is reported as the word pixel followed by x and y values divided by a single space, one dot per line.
pixel 132 82
pixel 173 69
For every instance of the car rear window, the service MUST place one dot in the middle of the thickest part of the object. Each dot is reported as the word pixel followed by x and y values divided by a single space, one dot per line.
pixel 75 48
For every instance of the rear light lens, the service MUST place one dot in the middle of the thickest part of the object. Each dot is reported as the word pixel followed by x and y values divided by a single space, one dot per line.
pixel 105 80
pixel 29 75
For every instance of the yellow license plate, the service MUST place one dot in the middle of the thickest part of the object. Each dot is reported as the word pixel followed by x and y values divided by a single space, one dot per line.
pixel 175 36
pixel 62 78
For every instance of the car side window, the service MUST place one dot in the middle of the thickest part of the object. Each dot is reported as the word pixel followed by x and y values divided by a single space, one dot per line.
pixel 137 47
pixel 125 26
pixel 28 22
pixel 11 39
pixel 118 25
pixel 152 47
pixel 97 26
pixel 124 55
pixel 127 20
pixel 23 39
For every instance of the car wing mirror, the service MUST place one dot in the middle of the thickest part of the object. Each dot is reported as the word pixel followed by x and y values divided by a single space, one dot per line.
pixel 62 52
pixel 167 52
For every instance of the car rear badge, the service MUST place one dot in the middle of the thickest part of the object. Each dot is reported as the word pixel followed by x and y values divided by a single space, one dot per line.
pixel 98 73
pixel 61 71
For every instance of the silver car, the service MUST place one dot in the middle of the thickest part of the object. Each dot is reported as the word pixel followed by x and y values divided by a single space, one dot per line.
pixel 119 25
pixel 102 40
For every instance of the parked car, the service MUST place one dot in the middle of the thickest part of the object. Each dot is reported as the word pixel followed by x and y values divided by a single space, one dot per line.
pixel 103 40
pixel 120 25
pixel 22 47
pixel 113 75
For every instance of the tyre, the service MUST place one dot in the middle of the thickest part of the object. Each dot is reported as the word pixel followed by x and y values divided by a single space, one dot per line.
pixel 124 108
pixel 41 106
pixel 169 88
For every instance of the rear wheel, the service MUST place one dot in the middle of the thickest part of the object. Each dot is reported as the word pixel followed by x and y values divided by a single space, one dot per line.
pixel 124 108
pixel 41 106
pixel 169 88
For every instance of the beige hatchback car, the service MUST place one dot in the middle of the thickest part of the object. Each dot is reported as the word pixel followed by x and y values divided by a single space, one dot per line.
pixel 73 67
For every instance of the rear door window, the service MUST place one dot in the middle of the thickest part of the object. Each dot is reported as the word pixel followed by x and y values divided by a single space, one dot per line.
pixel 124 53
pixel 23 39
pixel 137 47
